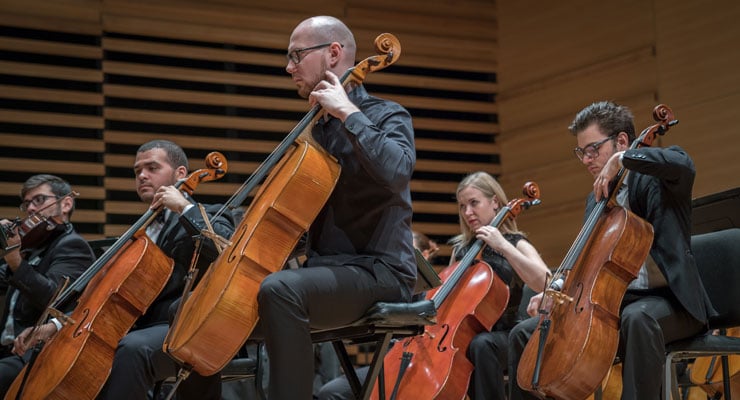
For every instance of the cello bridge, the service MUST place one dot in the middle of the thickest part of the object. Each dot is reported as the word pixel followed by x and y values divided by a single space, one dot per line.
pixel 558 297
pixel 62 317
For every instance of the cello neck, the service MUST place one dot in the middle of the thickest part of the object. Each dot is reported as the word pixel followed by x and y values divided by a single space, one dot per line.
pixel 80 283
pixel 511 210
pixel 466 261
pixel 140 225
pixel 301 130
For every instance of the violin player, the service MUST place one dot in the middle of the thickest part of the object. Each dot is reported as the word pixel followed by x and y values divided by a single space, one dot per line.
pixel 32 272
pixel 513 259
pixel 139 361
pixel 667 301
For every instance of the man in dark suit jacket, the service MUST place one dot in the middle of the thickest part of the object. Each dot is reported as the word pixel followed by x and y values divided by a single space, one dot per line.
pixel 667 301
pixel 32 272
pixel 139 361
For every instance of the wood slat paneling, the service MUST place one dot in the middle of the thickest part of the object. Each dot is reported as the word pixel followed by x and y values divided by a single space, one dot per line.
pixel 47 47
pixel 57 95
pixel 210 76
pixel 51 71
pixel 54 143
pixel 51 119
pixel 195 97
pixel 69 16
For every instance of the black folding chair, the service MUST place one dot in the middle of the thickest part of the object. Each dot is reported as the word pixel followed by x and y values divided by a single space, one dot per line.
pixel 718 259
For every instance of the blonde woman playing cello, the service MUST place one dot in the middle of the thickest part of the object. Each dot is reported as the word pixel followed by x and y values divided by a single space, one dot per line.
pixel 513 259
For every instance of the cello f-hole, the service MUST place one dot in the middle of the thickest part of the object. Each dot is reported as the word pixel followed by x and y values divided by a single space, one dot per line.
pixel 233 253
pixel 78 331
pixel 576 308
pixel 440 347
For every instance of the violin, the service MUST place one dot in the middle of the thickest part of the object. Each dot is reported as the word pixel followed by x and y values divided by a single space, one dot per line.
pixel 33 230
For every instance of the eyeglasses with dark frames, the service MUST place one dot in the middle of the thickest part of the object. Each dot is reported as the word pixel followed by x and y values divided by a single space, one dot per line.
pixel 37 201
pixel 296 56
pixel 591 150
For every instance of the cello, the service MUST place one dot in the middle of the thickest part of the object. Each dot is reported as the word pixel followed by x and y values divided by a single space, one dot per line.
pixel 434 365
pixel 301 177
pixel 116 290
pixel 576 340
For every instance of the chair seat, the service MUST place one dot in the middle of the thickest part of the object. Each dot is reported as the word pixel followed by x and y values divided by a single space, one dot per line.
pixel 239 368
pixel 396 314
pixel 400 319
pixel 704 345
pixel 381 323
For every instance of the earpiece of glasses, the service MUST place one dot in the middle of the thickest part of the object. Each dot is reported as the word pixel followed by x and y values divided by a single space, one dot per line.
pixel 37 201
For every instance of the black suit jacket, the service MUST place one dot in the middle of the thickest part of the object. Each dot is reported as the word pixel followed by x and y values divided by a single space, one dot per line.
pixel 65 255
pixel 176 241
pixel 659 186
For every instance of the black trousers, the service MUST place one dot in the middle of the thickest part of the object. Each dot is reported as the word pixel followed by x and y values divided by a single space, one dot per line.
pixel 293 302
pixel 488 353
pixel 648 321
pixel 139 363
pixel 10 366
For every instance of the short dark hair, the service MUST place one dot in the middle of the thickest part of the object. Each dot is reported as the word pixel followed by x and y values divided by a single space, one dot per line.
pixel 59 187
pixel 611 118
pixel 175 155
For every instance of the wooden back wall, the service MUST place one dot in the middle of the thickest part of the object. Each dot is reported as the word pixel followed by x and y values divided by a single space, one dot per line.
pixel 491 86
pixel 85 82
pixel 557 57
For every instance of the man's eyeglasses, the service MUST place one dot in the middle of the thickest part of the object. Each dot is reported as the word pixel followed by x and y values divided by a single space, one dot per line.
pixel 296 56
pixel 591 150
pixel 37 201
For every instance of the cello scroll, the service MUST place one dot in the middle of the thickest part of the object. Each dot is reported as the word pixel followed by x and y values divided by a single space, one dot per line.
pixel 665 118
pixel 531 198
pixel 388 50
pixel 216 167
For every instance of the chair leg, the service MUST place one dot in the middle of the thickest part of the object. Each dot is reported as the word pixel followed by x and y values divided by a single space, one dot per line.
pixel 670 383
pixel 349 371
pixel 726 377
pixel 375 365
pixel 260 372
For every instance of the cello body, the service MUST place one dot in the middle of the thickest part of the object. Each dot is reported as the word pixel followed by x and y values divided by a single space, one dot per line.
pixel 123 290
pixel 583 337
pixel 279 215
pixel 439 367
